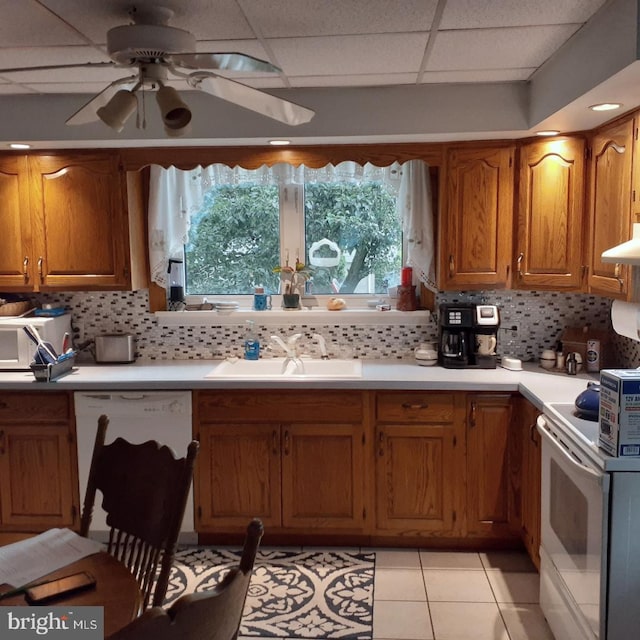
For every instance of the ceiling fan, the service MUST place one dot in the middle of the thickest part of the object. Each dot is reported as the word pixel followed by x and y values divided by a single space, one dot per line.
pixel 156 53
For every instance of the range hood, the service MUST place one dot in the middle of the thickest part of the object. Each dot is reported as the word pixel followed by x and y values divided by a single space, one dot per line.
pixel 627 252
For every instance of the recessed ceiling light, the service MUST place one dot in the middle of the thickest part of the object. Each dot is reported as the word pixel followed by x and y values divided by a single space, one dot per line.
pixel 20 145
pixel 279 143
pixel 548 132
pixel 605 106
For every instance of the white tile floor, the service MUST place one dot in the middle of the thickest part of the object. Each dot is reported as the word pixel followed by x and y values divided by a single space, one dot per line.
pixel 438 595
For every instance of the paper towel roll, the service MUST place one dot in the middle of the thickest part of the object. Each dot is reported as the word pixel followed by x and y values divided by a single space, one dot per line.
pixel 625 317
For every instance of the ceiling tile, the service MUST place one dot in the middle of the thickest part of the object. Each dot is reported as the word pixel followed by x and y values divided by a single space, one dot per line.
pixel 283 18
pixel 480 14
pixel 15 58
pixel 362 80
pixel 353 55
pixel 25 22
pixel 496 48
pixel 95 17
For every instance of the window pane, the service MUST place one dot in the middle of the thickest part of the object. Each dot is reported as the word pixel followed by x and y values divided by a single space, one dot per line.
pixel 234 241
pixel 361 221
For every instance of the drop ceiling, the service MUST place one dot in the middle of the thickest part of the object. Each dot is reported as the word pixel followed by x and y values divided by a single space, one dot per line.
pixel 373 70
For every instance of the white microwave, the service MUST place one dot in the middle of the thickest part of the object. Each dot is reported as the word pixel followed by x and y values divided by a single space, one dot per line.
pixel 17 350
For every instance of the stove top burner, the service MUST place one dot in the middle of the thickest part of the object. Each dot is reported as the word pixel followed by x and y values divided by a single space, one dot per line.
pixel 588 430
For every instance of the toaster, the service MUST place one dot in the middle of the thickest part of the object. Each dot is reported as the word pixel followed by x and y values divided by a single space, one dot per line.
pixel 115 348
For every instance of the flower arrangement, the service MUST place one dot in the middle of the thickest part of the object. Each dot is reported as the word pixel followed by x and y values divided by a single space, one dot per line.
pixel 293 278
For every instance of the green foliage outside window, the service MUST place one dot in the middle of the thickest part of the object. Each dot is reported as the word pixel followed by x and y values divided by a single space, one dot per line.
pixel 234 241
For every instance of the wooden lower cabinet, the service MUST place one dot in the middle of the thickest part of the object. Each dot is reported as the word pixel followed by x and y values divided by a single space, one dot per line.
pixel 428 468
pixel 418 462
pixel 490 502
pixel 295 460
pixel 531 477
pixel 38 472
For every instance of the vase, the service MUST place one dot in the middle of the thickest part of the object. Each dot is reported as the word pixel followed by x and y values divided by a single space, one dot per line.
pixel 291 300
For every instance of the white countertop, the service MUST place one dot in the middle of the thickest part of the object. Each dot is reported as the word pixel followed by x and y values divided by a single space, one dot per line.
pixel 534 383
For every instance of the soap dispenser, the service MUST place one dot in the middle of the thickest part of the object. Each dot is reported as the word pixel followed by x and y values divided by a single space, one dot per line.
pixel 251 343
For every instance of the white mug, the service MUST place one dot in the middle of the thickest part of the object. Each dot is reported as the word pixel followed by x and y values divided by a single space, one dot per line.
pixel 486 344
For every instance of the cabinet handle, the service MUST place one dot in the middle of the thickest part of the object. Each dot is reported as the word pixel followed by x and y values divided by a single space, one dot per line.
pixel 274 442
pixel 452 265
pixel 472 416
pixel 381 443
pixel 286 442
pixel 40 261
pixel 616 273
pixel 418 405
pixel 25 269
pixel 2 442
pixel 519 263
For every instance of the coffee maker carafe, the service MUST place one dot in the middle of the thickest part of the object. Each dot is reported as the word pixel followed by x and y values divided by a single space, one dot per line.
pixel 455 345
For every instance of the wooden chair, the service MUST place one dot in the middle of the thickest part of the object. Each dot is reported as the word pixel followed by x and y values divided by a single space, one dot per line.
pixel 206 615
pixel 144 492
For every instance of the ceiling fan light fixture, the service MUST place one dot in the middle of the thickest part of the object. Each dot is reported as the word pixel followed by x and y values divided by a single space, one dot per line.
pixel 175 112
pixel 119 109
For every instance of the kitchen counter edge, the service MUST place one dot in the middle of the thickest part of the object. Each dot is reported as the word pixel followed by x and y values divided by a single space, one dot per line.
pixel 535 384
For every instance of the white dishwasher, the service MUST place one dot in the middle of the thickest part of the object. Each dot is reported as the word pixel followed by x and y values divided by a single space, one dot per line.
pixel 164 416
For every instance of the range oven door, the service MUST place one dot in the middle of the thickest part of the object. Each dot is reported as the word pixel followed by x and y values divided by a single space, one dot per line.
pixel 574 516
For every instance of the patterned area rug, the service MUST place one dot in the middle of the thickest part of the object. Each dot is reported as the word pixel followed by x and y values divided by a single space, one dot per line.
pixel 308 594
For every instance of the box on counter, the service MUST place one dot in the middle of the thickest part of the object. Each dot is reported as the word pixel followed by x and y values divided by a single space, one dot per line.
pixel 620 412
pixel 576 339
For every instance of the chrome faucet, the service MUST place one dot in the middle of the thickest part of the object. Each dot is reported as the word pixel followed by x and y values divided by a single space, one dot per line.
pixel 291 350
pixel 322 345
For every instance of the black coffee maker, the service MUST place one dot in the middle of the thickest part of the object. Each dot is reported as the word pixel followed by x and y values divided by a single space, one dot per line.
pixel 468 336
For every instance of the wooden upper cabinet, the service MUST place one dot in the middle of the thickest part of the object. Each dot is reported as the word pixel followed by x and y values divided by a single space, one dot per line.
pixel 550 215
pixel 610 206
pixel 74 222
pixel 16 270
pixel 477 226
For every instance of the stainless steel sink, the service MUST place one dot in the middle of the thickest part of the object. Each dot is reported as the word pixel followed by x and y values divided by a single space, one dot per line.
pixel 275 368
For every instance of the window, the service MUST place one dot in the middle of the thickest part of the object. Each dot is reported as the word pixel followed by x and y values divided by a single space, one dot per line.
pixel 347 232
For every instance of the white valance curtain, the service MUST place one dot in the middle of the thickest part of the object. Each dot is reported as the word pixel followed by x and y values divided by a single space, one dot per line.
pixel 176 195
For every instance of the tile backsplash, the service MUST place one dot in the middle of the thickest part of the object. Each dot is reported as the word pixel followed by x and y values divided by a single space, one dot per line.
pixel 530 322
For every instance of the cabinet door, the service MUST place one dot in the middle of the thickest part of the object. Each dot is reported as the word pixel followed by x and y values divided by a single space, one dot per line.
pixel 238 476
pixel 16 257
pixel 415 478
pixel 488 502
pixel 81 234
pixel 531 479
pixel 478 227
pixel 610 206
pixel 550 215
pixel 36 480
pixel 323 476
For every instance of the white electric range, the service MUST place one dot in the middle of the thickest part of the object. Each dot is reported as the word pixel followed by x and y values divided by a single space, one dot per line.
pixel 590 532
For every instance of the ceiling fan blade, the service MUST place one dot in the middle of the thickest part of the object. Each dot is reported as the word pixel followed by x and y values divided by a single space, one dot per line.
pixel 87 113
pixel 223 61
pixel 47 67
pixel 249 98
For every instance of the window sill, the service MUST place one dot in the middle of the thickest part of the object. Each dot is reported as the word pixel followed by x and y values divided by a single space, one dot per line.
pixel 275 317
